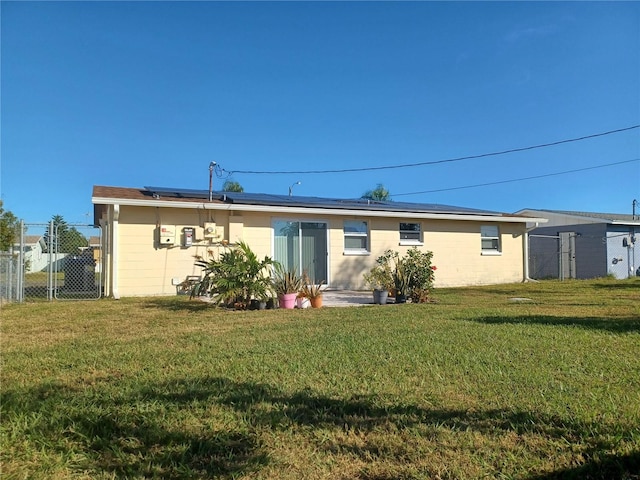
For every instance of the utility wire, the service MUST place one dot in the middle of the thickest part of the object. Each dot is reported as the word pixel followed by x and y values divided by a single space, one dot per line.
pixel 449 160
pixel 518 179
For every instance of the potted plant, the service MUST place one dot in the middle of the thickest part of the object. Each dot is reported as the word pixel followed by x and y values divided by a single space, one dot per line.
pixel 234 279
pixel 311 291
pixel 302 301
pixel 401 279
pixel 380 278
pixel 286 284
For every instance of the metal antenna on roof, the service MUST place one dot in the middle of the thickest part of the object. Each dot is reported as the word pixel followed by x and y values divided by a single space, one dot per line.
pixel 291 187
pixel 212 165
pixel 634 204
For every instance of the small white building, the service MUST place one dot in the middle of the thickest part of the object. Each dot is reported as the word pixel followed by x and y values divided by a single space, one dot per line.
pixel 35 257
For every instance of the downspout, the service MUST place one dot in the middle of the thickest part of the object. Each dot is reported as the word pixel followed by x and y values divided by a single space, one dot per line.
pixel 525 254
pixel 114 252
pixel 106 255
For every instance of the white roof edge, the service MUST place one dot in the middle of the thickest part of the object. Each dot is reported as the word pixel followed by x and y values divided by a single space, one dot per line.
pixel 323 211
pixel 582 217
pixel 622 222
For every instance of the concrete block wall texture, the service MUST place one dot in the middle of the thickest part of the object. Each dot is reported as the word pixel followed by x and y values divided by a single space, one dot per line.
pixel 147 268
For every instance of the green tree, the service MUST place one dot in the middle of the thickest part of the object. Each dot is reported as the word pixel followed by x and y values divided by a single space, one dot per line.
pixel 9 229
pixel 379 193
pixel 238 276
pixel 67 239
pixel 231 186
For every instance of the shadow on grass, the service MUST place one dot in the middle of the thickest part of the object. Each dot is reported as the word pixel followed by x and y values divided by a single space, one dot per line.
pixel 632 285
pixel 629 324
pixel 180 303
pixel 136 434
pixel 614 467
pixel 128 438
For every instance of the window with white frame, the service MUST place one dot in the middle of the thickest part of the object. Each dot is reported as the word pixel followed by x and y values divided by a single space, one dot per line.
pixel 356 237
pixel 410 233
pixel 490 239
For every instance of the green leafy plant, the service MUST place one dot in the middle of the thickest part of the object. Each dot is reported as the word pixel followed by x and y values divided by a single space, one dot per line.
pixel 236 278
pixel 285 281
pixel 380 277
pixel 421 274
pixel 401 277
pixel 310 288
pixel 411 275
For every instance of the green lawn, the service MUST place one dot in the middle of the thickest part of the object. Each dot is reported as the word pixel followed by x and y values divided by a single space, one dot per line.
pixel 473 386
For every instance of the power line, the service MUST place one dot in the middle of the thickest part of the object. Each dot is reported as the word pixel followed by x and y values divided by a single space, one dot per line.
pixel 518 179
pixel 435 162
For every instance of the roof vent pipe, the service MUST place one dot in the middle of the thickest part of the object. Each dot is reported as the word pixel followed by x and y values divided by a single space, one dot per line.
pixel 211 167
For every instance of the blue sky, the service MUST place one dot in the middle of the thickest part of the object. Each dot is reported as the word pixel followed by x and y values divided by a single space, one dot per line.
pixel 149 93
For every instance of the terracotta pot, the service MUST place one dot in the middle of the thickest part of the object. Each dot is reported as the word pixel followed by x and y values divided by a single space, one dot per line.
pixel 288 300
pixel 316 302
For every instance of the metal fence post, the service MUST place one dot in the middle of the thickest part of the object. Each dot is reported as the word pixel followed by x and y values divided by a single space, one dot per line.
pixel 50 249
pixel 20 273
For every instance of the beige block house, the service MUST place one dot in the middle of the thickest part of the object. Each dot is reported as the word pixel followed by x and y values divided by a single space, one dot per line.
pixel 152 235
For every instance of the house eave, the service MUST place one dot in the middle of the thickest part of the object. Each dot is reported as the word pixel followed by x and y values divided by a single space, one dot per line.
pixel 313 211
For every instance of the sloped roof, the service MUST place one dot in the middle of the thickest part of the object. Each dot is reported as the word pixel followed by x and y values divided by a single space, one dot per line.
pixel 165 196
pixel 595 217
pixel 302 201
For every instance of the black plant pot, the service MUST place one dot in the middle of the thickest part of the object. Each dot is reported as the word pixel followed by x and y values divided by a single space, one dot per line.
pixel 401 298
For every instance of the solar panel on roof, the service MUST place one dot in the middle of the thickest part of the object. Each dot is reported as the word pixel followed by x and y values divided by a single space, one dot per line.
pixel 268 199
pixel 179 192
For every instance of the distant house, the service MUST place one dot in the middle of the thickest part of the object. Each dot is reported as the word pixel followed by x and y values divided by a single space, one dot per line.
pixel 152 235
pixel 35 256
pixel 584 245
pixel 95 244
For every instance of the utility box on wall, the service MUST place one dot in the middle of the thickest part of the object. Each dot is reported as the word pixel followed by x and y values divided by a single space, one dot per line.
pixel 188 236
pixel 167 234
pixel 211 231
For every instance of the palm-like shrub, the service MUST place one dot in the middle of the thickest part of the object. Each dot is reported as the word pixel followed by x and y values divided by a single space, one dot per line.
pixel 285 281
pixel 237 277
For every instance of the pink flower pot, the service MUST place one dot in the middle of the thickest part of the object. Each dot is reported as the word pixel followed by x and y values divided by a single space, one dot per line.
pixel 288 300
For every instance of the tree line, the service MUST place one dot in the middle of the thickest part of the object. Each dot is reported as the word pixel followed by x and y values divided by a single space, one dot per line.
pixel 66 239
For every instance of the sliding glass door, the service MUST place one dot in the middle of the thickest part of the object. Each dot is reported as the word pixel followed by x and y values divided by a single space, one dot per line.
pixel 303 246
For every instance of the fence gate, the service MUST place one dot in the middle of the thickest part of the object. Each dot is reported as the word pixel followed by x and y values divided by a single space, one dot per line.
pixel 54 261
pixel 544 257
pixel 552 256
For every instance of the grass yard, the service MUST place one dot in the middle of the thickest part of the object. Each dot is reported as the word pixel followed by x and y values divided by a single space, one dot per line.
pixel 473 386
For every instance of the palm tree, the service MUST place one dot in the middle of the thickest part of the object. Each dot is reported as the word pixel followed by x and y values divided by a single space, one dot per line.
pixel 379 194
pixel 231 186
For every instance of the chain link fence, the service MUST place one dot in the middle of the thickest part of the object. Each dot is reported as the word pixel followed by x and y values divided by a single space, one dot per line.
pixel 8 277
pixel 53 261
pixel 544 257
